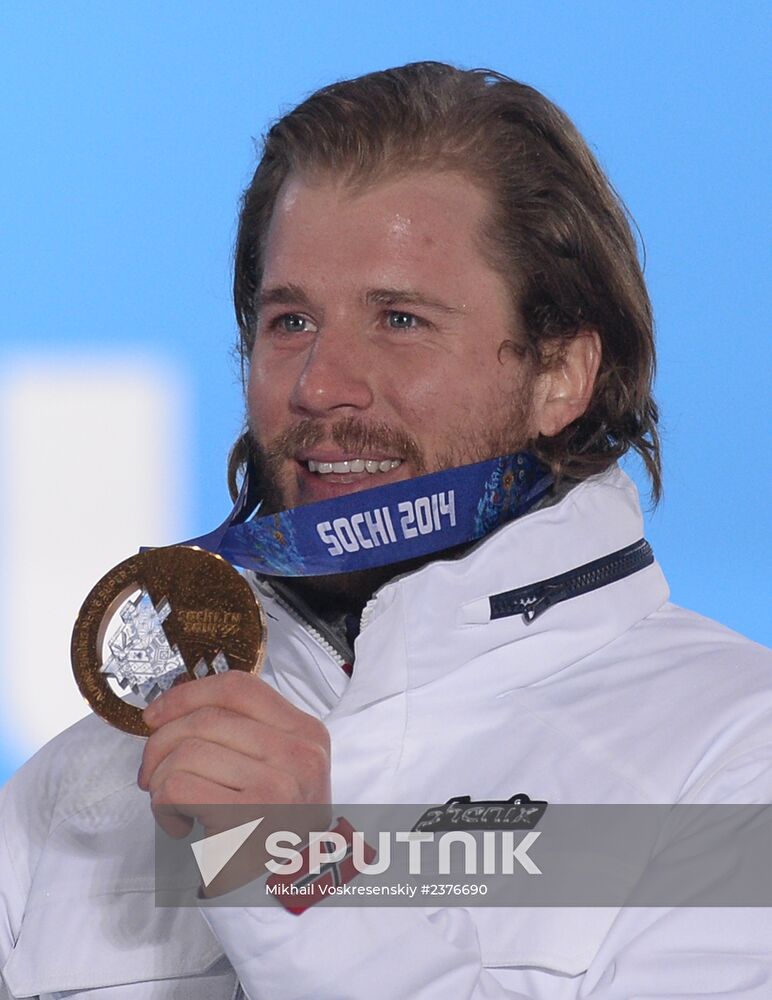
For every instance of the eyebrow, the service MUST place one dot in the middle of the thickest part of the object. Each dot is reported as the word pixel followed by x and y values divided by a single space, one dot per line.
pixel 406 296
pixel 282 295
pixel 295 295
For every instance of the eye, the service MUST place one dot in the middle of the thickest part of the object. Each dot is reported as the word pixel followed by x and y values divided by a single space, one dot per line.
pixel 398 320
pixel 292 323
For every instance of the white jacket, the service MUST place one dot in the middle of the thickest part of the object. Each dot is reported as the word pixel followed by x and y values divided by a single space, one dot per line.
pixel 615 696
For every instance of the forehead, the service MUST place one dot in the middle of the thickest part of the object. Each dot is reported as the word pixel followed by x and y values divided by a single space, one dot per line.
pixel 426 220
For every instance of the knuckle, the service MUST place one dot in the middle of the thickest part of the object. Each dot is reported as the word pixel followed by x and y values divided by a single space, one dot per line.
pixel 190 748
pixel 208 718
pixel 315 731
pixel 174 788
pixel 312 756
pixel 283 788
pixel 321 734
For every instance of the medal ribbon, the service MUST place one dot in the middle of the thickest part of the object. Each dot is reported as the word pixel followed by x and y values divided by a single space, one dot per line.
pixel 386 524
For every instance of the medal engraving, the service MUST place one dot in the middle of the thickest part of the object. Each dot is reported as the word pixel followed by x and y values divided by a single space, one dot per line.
pixel 156 618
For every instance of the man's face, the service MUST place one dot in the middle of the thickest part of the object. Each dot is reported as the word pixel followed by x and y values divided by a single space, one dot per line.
pixel 378 346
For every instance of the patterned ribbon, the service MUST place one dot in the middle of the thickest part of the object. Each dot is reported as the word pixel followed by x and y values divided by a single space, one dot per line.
pixel 383 525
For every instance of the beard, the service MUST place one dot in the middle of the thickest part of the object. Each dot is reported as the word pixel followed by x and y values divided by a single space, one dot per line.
pixel 270 465
pixel 353 435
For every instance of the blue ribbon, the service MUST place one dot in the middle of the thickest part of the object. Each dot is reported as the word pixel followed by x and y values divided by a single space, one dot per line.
pixel 386 524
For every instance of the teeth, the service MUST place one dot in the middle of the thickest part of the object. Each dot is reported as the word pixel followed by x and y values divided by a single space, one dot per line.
pixel 355 465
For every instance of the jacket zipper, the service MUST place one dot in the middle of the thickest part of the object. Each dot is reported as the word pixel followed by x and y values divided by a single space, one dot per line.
pixel 316 628
pixel 534 599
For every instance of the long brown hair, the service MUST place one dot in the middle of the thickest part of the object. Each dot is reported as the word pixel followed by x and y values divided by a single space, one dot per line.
pixel 558 232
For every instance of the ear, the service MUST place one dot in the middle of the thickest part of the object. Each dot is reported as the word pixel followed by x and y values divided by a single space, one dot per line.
pixel 564 390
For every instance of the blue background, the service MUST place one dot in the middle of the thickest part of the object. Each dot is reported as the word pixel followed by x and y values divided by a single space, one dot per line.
pixel 128 133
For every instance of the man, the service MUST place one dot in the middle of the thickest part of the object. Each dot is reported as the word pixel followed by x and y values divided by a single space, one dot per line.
pixel 431 271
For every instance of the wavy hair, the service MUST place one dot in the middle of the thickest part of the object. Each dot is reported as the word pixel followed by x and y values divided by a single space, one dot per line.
pixel 558 233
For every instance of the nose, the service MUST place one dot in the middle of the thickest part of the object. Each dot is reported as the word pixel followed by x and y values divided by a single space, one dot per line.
pixel 336 375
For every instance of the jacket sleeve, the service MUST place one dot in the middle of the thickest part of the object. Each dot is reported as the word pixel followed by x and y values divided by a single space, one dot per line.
pixel 381 954
pixel 348 954
pixel 12 893
pixel 690 952
pixel 683 953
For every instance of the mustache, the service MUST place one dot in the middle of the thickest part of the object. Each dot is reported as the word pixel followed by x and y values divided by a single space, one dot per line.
pixel 351 434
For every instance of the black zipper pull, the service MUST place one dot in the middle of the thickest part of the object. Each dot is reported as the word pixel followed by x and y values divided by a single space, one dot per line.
pixel 533 600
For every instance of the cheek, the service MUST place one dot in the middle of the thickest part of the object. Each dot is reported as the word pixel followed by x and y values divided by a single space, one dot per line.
pixel 450 393
pixel 266 398
pixel 468 388
pixel 420 405
pixel 255 397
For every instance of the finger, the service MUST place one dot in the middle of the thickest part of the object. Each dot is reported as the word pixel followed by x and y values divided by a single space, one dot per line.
pixel 236 690
pixel 172 822
pixel 185 797
pixel 221 765
pixel 220 727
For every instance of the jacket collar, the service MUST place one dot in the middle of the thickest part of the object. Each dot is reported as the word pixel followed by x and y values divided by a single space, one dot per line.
pixel 421 627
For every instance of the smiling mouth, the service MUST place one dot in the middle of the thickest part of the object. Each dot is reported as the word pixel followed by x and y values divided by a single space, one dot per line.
pixel 354 465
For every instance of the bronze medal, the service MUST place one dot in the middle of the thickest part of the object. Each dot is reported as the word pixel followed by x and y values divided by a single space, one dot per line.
pixel 162 616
